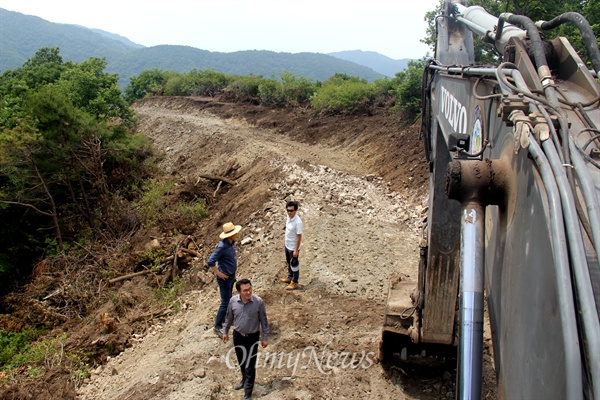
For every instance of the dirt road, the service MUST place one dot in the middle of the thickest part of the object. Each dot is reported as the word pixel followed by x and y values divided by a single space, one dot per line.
pixel 359 230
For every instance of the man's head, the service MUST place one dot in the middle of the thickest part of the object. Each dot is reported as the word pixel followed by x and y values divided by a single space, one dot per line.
pixel 291 207
pixel 230 231
pixel 244 287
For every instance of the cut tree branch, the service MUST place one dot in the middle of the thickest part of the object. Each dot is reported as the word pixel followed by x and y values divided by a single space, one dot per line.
pixel 124 277
pixel 218 178
pixel 18 203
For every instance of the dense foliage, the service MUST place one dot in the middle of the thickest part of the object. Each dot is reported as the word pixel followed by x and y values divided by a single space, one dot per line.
pixel 64 151
pixel 340 94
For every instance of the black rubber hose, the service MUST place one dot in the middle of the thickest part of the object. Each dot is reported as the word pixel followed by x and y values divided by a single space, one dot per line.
pixel 589 39
pixel 533 34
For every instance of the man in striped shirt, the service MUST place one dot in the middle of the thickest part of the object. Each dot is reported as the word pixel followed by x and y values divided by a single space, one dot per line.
pixel 247 313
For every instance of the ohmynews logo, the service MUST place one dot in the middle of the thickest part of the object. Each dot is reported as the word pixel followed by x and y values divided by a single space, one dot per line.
pixel 324 361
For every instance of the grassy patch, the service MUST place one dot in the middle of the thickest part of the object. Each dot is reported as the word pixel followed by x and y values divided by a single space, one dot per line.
pixel 22 350
pixel 193 211
pixel 169 295
pixel 152 204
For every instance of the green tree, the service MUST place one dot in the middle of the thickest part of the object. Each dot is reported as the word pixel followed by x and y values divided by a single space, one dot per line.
pixel 407 88
pixel 62 127
pixel 148 82
pixel 94 91
pixel 43 68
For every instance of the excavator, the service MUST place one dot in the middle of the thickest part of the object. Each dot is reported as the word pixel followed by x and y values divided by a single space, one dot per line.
pixel 513 220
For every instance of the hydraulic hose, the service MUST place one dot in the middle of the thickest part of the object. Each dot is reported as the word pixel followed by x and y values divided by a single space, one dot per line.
pixel 536 40
pixel 579 266
pixel 589 39
pixel 588 189
pixel 539 55
pixel 586 185
pixel 584 291
pixel 563 276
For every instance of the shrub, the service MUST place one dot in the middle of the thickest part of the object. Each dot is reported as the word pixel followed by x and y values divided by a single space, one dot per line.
pixel 271 93
pixel 384 95
pixel 343 95
pixel 21 350
pixel 169 295
pixel 175 86
pixel 407 89
pixel 244 88
pixel 152 202
pixel 148 82
pixel 193 211
pixel 206 82
pixel 12 344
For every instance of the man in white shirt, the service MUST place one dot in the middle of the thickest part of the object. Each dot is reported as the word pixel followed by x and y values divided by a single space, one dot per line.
pixel 293 238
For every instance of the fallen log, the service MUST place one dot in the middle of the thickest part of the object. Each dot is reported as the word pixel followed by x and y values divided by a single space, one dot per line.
pixel 190 251
pixel 124 277
pixel 217 178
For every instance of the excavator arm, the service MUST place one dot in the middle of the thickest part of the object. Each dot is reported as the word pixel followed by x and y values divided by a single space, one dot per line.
pixel 513 214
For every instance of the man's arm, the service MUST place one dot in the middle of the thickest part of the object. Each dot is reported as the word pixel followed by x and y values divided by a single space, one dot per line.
pixel 219 273
pixel 228 322
pixel 212 261
pixel 295 253
pixel 264 323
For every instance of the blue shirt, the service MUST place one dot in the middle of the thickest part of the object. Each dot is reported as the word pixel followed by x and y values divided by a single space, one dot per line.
pixel 224 256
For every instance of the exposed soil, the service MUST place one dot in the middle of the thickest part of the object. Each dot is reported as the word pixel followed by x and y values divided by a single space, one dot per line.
pixel 362 184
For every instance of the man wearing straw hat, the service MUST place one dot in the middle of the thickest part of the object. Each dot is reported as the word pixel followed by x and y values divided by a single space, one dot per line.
pixel 223 262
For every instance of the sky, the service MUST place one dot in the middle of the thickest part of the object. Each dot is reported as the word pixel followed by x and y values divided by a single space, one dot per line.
pixel 393 28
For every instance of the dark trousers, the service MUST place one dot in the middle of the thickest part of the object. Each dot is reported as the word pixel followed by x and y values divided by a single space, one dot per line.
pixel 246 348
pixel 226 289
pixel 293 275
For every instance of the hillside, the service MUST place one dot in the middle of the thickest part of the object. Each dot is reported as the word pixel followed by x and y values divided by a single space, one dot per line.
pixel 378 62
pixel 314 66
pixel 22 35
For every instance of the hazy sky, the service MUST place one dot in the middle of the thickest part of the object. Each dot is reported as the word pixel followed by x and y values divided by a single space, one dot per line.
pixel 390 27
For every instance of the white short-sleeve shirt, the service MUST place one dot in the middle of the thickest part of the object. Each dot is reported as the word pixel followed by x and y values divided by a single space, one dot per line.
pixel 293 228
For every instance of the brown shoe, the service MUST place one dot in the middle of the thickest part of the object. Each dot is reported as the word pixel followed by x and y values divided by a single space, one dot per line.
pixel 286 280
pixel 292 286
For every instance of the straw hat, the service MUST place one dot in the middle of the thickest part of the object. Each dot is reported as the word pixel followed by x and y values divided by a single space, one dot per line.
pixel 229 230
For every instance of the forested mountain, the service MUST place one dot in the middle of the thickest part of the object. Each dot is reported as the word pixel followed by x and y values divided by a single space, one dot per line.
pixel 116 37
pixel 375 61
pixel 22 35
